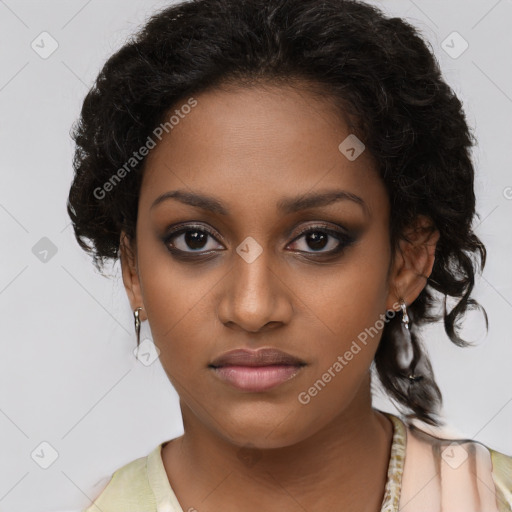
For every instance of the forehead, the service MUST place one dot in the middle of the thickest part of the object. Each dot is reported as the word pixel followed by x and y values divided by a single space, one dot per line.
pixel 257 144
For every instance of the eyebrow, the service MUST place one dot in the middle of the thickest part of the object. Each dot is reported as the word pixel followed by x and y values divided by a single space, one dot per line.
pixel 287 205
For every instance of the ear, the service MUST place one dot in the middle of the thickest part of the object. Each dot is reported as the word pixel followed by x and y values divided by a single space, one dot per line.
pixel 414 259
pixel 128 257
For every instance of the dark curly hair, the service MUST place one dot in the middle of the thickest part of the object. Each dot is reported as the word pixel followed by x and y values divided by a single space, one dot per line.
pixel 377 70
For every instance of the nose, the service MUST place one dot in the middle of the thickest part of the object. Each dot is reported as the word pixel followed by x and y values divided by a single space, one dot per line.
pixel 254 296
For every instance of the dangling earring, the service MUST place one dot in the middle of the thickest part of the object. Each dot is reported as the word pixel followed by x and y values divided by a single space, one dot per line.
pixel 137 324
pixel 413 378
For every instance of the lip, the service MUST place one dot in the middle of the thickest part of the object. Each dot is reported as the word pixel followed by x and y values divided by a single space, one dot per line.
pixel 260 357
pixel 256 370
pixel 256 378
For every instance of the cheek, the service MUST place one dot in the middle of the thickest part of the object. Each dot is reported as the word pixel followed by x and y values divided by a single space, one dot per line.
pixel 347 315
pixel 174 297
pixel 352 294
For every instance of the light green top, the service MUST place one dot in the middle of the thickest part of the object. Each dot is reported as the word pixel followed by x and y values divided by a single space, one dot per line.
pixel 424 472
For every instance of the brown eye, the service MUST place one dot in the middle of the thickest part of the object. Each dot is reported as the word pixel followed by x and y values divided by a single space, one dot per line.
pixel 322 240
pixel 191 239
pixel 317 240
pixel 195 239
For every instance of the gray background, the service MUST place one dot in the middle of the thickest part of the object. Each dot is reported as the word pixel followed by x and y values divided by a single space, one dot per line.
pixel 68 376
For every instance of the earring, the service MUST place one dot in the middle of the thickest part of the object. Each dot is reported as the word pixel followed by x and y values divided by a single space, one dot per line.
pixel 137 324
pixel 413 378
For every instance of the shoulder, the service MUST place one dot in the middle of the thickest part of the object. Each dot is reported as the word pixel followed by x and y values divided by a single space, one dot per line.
pixel 460 472
pixel 502 475
pixel 128 490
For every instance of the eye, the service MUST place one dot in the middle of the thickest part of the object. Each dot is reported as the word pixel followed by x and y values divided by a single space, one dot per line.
pixel 199 240
pixel 322 239
pixel 191 239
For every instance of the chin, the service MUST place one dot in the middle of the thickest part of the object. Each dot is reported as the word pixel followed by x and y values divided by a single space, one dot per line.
pixel 253 430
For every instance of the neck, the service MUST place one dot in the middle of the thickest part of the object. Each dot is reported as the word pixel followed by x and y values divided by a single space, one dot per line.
pixel 343 465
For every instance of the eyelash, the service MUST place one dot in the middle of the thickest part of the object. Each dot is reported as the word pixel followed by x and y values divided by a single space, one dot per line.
pixel 343 238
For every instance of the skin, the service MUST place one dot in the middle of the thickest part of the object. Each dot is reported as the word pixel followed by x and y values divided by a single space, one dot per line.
pixel 250 148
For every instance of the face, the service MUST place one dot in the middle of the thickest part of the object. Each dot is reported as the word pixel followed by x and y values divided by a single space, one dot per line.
pixel 276 239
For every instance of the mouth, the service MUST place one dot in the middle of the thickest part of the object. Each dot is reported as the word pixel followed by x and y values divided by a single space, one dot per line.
pixel 256 371
pixel 256 378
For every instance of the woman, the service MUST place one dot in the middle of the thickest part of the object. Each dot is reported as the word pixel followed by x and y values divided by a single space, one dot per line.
pixel 288 186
